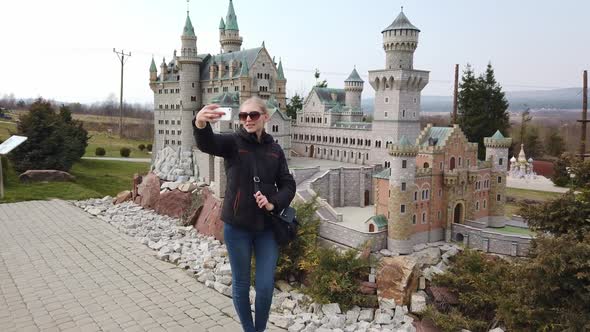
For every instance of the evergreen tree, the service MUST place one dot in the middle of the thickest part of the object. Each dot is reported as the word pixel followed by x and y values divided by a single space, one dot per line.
pixel 295 104
pixel 482 106
pixel 55 141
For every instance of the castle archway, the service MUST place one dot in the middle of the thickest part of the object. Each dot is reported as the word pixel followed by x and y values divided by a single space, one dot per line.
pixel 458 214
pixel 311 150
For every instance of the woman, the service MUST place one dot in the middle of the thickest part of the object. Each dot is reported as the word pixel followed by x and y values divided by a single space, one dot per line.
pixel 245 212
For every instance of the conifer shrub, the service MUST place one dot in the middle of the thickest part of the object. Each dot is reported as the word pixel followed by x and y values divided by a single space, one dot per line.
pixel 100 152
pixel 125 152
pixel 141 147
pixel 149 147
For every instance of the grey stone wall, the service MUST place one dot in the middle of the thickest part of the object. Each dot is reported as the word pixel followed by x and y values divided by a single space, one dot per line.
pixel 352 238
pixel 345 186
pixel 488 241
pixel 434 235
pixel 302 174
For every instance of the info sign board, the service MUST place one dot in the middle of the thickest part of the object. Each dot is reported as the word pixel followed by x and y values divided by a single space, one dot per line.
pixel 6 147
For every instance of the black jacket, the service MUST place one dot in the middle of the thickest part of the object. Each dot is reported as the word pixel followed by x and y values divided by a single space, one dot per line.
pixel 239 151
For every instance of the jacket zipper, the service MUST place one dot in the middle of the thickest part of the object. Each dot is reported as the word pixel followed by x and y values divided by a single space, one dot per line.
pixel 236 203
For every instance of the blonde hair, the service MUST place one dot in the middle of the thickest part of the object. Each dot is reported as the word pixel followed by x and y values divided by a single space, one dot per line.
pixel 256 102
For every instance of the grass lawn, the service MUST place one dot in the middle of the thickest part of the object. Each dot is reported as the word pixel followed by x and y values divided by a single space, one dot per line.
pixel 94 178
pixel 511 209
pixel 531 194
pixel 512 230
pixel 5 129
pixel 113 145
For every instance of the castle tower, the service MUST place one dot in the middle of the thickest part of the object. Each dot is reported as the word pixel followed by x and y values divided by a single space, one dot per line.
pixel 190 96
pixel 245 82
pixel 153 71
pixel 229 33
pixel 353 86
pixel 401 208
pixel 163 70
pixel 281 85
pixel 398 87
pixel 497 153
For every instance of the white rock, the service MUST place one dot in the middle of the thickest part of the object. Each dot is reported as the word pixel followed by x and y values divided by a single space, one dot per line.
pixel 372 277
pixel 288 304
pixel 382 317
pixel 297 327
pixel 331 309
pixel 385 303
pixel 418 302
pixel 226 280
pixel 352 315
pixel 336 321
pixel 224 269
pixel 366 315
pixel 283 286
pixel 497 329
pixel 94 211
pixel 280 320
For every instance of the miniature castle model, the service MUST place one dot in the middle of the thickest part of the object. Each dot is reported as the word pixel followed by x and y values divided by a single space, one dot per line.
pixel 192 80
pixel 437 181
pixel 521 168
pixel 330 125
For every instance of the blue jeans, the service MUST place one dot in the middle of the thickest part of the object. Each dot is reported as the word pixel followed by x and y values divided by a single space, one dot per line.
pixel 239 243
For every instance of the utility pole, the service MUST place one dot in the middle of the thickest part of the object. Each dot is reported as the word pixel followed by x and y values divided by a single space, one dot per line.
pixel 121 55
pixel 584 120
pixel 455 95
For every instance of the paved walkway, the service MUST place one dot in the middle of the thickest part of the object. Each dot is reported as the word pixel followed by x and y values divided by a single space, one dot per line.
pixel 62 270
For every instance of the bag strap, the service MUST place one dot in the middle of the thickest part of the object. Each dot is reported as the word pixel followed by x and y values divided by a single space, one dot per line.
pixel 255 177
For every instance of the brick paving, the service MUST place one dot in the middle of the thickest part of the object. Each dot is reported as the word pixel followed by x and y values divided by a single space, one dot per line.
pixel 63 270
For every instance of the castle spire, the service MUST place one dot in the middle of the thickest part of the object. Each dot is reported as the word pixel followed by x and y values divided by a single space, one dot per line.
pixel 222 24
pixel 153 67
pixel 245 71
pixel 188 30
pixel 231 20
pixel 281 74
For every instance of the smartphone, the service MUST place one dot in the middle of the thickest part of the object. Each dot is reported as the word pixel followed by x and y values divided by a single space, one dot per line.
pixel 227 113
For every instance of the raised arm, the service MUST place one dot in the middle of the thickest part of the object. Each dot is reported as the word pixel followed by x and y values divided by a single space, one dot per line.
pixel 221 145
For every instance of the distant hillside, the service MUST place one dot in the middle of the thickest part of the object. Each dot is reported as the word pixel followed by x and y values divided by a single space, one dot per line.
pixel 570 98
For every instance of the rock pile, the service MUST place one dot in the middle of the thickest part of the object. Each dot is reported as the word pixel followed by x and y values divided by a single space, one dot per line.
pixel 172 165
pixel 205 259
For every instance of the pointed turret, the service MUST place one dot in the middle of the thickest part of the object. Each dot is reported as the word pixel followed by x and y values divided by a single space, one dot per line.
pixel 231 18
pixel 280 74
pixel 229 33
pixel 188 30
pixel 153 71
pixel 353 86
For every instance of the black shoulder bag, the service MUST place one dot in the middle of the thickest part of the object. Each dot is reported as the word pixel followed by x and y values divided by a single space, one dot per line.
pixel 284 224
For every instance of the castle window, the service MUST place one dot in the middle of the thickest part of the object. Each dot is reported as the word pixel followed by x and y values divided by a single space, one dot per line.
pixel 426 165
pixel 166 122
pixel 403 186
pixel 499 179
pixel 439 215
pixel 468 162
pixel 414 220
pixel 460 161
pixel 387 100
pixel 193 85
pixel 500 161
pixel 165 91
pixel 452 163
pixel 423 217
pixel 160 106
pixel 178 142
pixel 440 193
pixel 403 113
pixel 174 132
pixel 404 163
pixel 178 77
pixel 498 197
pixel 166 106
pixel 385 114
pixel 441 165
pixel 484 203
pixel 367 156
pixel 160 91
pixel 415 196
pixel 477 206
pixel 193 98
pixel 173 122
pixel 178 132
pixel 402 208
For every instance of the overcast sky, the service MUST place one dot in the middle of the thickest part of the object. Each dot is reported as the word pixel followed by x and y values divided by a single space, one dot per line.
pixel 62 49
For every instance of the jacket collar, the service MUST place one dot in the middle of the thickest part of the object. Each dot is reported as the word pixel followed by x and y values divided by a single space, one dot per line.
pixel 251 137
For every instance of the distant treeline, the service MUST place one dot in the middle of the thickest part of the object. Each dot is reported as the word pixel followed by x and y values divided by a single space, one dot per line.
pixel 108 107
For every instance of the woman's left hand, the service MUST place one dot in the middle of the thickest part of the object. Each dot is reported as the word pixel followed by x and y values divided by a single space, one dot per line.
pixel 263 202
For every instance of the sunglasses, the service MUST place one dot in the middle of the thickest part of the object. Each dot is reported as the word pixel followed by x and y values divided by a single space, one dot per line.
pixel 253 116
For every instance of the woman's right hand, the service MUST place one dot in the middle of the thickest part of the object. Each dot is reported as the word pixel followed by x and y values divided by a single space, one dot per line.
pixel 209 113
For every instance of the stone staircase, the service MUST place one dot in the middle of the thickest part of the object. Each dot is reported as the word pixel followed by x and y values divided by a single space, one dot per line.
pixel 325 211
